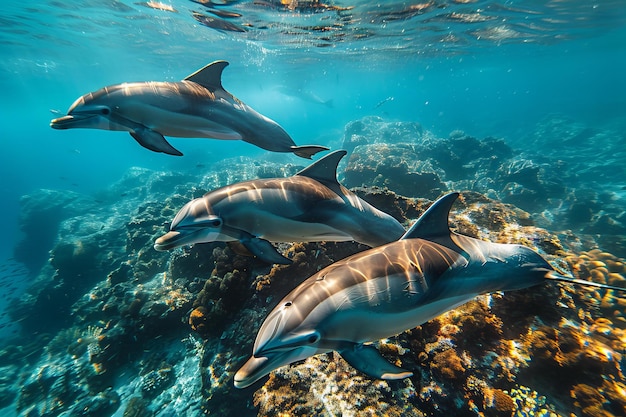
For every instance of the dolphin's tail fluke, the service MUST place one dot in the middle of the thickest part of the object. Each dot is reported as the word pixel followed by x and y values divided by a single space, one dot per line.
pixel 553 275
pixel 307 151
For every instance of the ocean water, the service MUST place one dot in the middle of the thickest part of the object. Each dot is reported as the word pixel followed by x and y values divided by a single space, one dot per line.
pixel 544 77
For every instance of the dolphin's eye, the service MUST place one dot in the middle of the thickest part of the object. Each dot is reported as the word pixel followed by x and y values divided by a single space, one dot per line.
pixel 105 111
pixel 216 223
pixel 288 304
pixel 313 338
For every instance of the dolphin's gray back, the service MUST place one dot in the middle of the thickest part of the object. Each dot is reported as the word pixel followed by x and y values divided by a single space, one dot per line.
pixel 158 93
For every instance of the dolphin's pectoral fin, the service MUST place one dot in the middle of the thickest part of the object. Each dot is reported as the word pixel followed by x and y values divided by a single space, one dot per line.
pixel 307 151
pixel 263 250
pixel 368 360
pixel 238 247
pixel 154 141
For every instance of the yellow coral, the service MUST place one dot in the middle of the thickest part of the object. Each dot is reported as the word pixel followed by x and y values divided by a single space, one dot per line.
pixel 198 320
pixel 98 368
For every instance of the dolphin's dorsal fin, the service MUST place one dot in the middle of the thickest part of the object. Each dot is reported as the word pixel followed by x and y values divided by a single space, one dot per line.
pixel 209 76
pixel 433 223
pixel 325 170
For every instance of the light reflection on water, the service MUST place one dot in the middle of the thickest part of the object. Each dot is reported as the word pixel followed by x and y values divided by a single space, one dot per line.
pixel 310 30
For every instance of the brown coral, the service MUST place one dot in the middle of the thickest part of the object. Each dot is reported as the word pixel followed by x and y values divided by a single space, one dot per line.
pixel 447 365
pixel 501 402
pixel 543 342
pixel 220 298
pixel 589 400
pixel 198 320
pixel 479 327
pixel 307 259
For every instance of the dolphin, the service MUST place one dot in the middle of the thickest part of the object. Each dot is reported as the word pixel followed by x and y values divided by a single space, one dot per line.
pixel 386 290
pixel 304 95
pixel 307 207
pixel 196 107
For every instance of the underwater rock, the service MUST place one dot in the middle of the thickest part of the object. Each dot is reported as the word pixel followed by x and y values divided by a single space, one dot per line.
pixel 526 184
pixel 406 160
pixel 307 258
pixel 397 206
pixel 479 325
pixel 387 166
pixel 137 407
pixel 145 226
pixel 462 156
pixel 221 297
pixel 41 214
pixel 374 130
pixel 110 240
pixel 330 387
pixel 273 171
pixel 193 264
pixel 8 391
pixel 591 162
pixel 104 403
pixel 139 185
pixel 233 170
pixel 49 389
pixel 76 264
pixel 199 321
pixel 155 381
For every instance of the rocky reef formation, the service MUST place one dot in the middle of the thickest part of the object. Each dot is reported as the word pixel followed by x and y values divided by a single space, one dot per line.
pixel 576 185
pixel 113 327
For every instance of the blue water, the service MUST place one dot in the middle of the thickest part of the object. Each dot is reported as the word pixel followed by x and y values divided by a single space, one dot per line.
pixel 497 78
pixel 52 53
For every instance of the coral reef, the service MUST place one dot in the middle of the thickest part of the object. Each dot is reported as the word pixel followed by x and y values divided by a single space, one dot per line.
pixel 570 187
pixel 413 163
pixel 113 327
pixel 374 129
pixel 223 294
pixel 387 166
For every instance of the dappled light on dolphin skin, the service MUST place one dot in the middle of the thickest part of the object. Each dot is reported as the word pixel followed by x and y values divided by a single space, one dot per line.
pixel 197 107
pixel 310 206
pixel 241 279
pixel 384 291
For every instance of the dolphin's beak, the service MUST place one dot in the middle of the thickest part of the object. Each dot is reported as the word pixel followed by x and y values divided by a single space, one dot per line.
pixel 259 366
pixel 62 122
pixel 171 240
pixel 253 370
pixel 72 121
